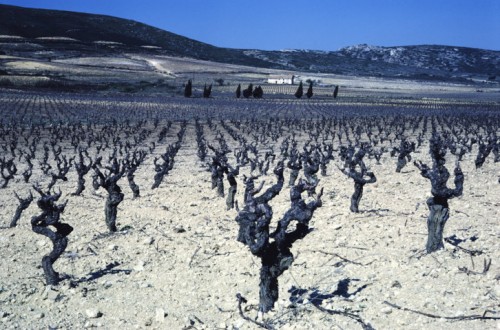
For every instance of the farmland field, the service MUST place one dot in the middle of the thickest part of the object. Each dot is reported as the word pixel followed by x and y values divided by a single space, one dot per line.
pixel 174 261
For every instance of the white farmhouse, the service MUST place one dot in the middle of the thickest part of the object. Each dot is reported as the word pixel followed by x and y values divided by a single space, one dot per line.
pixel 280 80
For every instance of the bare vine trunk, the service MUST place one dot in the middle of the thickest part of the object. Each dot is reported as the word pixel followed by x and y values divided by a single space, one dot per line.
pixel 59 243
pixel 356 197
pixel 111 209
pixel 274 263
pixel 439 214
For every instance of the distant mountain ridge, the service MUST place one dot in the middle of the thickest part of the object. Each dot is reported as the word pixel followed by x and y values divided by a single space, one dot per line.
pixel 84 34
pixel 448 58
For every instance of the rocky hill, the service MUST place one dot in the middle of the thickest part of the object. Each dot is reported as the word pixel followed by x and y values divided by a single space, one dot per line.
pixel 443 58
pixel 38 33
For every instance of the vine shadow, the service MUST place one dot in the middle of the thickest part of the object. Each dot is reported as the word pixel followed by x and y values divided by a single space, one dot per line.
pixel 109 269
pixel 316 297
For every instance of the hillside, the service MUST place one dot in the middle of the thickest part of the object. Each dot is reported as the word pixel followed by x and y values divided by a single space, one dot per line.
pixel 38 34
pixel 89 33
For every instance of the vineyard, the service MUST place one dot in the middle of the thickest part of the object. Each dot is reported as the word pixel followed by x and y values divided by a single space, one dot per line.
pixel 137 212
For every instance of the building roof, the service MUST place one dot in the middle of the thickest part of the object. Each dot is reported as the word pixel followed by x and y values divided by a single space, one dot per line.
pixel 280 77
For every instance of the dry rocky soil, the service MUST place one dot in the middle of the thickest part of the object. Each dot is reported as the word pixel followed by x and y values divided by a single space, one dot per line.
pixel 175 263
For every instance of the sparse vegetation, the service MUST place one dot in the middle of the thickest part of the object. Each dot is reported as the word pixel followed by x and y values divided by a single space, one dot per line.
pixel 188 89
pixel 438 204
pixel 207 91
pixel 248 91
pixel 219 81
pixel 50 216
pixel 238 91
pixel 300 91
pixel 109 181
pixel 162 145
pixel 309 92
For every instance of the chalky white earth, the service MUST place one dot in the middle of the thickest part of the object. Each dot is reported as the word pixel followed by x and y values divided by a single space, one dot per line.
pixel 175 262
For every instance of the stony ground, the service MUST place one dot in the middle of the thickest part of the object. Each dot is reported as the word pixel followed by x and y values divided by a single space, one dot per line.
pixel 175 263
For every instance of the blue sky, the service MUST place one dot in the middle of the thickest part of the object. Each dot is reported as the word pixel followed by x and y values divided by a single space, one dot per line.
pixel 307 24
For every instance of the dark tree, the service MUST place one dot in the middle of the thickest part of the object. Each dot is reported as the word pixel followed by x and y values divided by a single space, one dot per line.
pixel 335 92
pixel 238 91
pixel 300 91
pixel 258 92
pixel 188 89
pixel 248 92
pixel 109 181
pixel 438 204
pixel 24 203
pixel 207 91
pixel 310 93
pixel 50 216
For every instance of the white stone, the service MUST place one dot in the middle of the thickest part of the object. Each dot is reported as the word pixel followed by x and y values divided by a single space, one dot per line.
pixel 386 310
pixel 52 295
pixel 93 313
pixel 148 241
pixel 160 315
pixel 140 266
